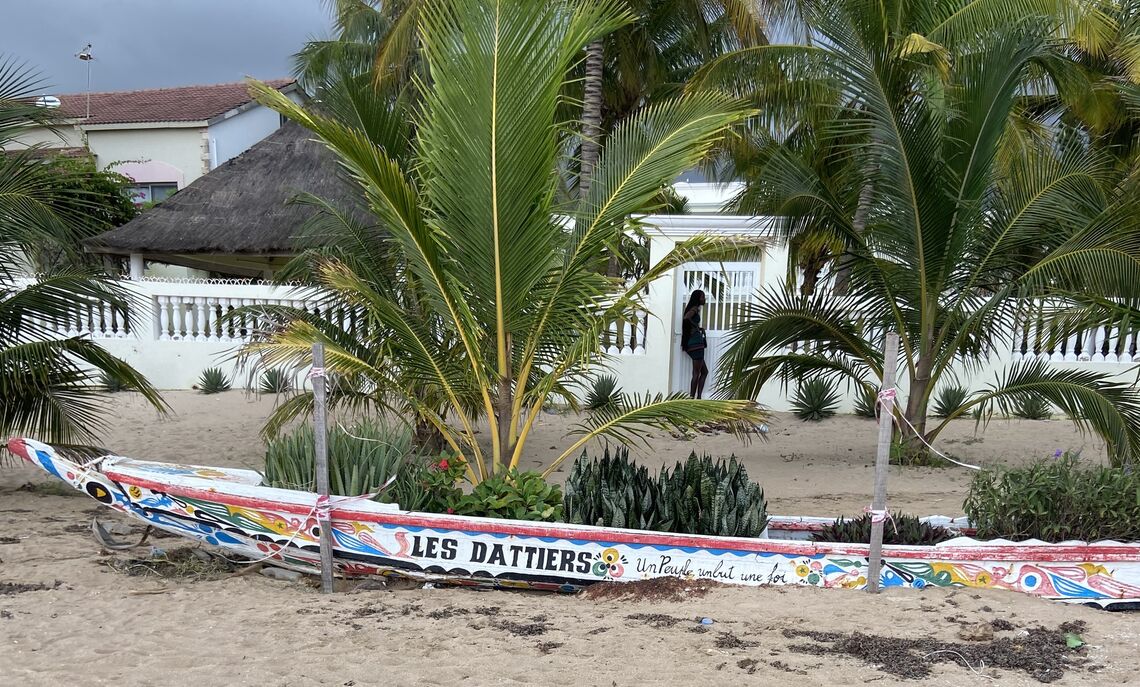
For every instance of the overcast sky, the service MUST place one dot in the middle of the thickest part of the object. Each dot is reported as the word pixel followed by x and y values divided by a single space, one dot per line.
pixel 158 43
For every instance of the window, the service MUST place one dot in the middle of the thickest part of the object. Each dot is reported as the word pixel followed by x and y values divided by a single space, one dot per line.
pixel 151 193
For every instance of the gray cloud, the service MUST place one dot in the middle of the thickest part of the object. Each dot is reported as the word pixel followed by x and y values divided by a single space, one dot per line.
pixel 158 43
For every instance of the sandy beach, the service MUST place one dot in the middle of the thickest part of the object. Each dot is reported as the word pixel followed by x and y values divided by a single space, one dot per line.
pixel 71 614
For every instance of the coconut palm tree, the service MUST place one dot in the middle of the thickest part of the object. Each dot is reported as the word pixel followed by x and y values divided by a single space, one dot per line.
pixel 966 222
pixel 49 384
pixel 509 302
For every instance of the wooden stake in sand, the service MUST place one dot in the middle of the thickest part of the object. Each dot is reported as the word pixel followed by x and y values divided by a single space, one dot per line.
pixel 886 406
pixel 320 422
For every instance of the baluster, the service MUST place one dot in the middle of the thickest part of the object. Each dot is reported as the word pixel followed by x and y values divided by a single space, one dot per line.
pixel 212 320
pixel 627 331
pixel 249 322
pixel 1098 348
pixel 1134 355
pixel 1071 348
pixel 225 325
pixel 1091 349
pixel 1112 341
pixel 163 318
pixel 1018 339
pixel 641 327
pixel 612 339
pixel 203 320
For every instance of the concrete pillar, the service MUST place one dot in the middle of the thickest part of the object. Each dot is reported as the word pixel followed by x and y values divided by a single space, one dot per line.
pixel 136 266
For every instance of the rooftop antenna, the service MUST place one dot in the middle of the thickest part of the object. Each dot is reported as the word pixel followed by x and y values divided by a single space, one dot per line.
pixel 86 56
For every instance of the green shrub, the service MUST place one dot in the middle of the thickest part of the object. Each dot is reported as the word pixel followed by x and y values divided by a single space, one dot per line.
pixel 361 458
pixel 866 403
pixel 275 381
pixel 699 496
pixel 612 492
pixel 213 381
pixel 1056 500
pixel 815 400
pixel 515 495
pixel 902 529
pixel 948 400
pixel 604 393
pixel 1031 407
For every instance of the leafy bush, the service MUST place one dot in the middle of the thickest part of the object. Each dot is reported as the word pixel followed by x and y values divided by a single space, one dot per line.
pixel 275 381
pixel 866 403
pixel 815 400
pixel 515 495
pixel 213 381
pixel 361 458
pixel 948 400
pixel 1032 407
pixel 901 529
pixel 604 393
pixel 699 496
pixel 1056 500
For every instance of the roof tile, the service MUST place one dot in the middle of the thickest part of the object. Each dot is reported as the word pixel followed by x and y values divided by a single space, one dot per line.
pixel 183 104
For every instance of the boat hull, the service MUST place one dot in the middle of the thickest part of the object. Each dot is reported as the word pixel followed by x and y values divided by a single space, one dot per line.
pixel 230 509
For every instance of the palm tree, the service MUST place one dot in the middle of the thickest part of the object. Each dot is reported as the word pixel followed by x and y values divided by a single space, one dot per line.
pixel 49 384
pixel 509 304
pixel 651 58
pixel 966 223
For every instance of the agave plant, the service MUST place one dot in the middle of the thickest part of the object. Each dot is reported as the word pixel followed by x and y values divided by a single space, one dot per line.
pixel 603 392
pixel 362 457
pixel 1031 407
pixel 500 296
pixel 275 381
pixel 213 381
pixel 815 400
pixel 949 399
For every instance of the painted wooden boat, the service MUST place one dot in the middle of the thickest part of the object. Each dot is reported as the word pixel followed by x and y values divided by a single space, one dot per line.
pixel 230 508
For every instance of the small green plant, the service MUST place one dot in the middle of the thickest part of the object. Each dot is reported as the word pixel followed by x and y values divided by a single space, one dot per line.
pixel 699 496
pixel 1056 500
pixel 900 529
pixel 275 381
pixel 1031 407
pixel 213 381
pixel 604 393
pixel 112 385
pixel 948 400
pixel 612 491
pixel 866 403
pixel 514 495
pixel 903 453
pixel 815 400
pixel 361 458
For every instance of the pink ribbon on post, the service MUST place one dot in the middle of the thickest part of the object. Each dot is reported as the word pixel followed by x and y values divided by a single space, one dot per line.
pixel 881 516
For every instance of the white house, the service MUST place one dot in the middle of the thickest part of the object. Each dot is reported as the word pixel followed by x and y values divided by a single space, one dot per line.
pixel 163 138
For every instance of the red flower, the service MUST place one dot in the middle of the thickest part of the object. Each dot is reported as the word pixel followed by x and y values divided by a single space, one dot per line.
pixel 450 511
pixel 443 464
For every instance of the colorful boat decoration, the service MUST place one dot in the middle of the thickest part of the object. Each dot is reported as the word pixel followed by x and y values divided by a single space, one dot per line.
pixel 229 508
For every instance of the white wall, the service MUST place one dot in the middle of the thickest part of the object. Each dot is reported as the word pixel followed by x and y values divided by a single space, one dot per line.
pixel 233 136
pixel 182 148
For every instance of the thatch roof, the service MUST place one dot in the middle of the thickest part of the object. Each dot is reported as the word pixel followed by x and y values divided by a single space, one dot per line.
pixel 240 207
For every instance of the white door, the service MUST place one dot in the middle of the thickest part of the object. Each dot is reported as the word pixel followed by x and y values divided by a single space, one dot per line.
pixel 729 287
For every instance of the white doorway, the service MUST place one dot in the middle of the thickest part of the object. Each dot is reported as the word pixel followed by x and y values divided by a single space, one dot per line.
pixel 729 288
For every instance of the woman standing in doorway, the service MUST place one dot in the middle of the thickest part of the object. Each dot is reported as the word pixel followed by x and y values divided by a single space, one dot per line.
pixel 693 342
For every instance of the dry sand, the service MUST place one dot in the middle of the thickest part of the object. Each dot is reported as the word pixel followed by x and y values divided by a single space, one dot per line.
pixel 101 626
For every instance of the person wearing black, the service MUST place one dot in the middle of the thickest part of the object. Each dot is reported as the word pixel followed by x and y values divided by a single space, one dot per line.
pixel 693 342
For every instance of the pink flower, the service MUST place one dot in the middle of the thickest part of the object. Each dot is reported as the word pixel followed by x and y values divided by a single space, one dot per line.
pixel 443 464
pixel 450 511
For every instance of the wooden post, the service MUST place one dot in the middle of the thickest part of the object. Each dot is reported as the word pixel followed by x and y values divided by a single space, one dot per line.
pixel 320 421
pixel 882 460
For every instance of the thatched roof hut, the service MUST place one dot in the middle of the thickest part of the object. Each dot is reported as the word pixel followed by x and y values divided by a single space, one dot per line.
pixel 237 218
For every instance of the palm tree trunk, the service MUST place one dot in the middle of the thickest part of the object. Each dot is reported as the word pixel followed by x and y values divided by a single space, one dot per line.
pixel 859 222
pixel 591 116
pixel 916 407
